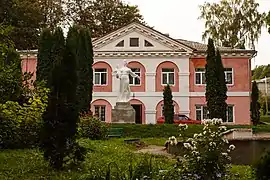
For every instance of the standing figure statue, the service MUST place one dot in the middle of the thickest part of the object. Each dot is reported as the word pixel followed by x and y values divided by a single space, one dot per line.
pixel 123 74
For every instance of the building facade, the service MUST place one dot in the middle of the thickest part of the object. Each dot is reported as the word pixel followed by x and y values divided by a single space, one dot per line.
pixel 160 60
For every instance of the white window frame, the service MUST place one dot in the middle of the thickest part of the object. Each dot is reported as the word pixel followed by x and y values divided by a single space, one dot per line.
pixel 100 110
pixel 162 105
pixel 133 79
pixel 167 76
pixel 233 111
pixel 94 78
pixel 201 77
pixel 226 72
pixel 200 109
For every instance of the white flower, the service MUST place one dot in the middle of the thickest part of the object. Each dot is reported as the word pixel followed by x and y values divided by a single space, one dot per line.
pixel 195 135
pixel 204 132
pixel 187 145
pixel 189 139
pixel 225 140
pixel 223 128
pixel 232 147
pixel 224 154
pixel 184 126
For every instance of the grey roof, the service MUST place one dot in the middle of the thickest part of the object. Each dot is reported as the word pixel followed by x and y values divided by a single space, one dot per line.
pixel 203 47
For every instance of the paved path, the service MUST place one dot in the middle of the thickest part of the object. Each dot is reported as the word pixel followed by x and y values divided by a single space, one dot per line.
pixel 156 150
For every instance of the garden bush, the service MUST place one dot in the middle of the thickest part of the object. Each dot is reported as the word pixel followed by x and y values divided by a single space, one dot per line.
pixel 206 155
pixel 261 168
pixel 20 125
pixel 91 127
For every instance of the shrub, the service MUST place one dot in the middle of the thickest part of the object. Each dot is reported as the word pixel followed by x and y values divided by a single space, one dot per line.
pixel 204 155
pixel 20 124
pixel 91 127
pixel 261 168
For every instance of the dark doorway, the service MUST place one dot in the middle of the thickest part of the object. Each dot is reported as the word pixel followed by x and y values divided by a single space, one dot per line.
pixel 138 113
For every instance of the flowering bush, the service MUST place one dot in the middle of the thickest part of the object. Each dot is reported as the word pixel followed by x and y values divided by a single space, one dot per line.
pixel 206 155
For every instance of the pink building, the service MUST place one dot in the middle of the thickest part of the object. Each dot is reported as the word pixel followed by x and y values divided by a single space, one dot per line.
pixel 159 60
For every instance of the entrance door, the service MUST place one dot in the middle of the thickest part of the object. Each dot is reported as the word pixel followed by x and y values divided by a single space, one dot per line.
pixel 138 113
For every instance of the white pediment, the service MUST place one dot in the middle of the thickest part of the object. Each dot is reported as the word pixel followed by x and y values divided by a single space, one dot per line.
pixel 147 40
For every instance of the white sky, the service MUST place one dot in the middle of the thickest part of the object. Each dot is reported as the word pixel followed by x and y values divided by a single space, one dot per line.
pixel 179 18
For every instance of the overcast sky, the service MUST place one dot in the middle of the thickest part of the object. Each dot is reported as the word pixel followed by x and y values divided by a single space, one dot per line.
pixel 179 18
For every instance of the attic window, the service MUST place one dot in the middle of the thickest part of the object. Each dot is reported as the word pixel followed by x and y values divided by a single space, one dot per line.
pixel 147 44
pixel 120 44
pixel 134 42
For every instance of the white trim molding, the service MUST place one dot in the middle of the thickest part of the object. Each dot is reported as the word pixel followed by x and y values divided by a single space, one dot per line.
pixel 230 94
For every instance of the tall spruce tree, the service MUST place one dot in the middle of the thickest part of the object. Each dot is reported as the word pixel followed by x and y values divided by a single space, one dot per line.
pixel 85 71
pixel 44 63
pixel 211 93
pixel 61 117
pixel 255 105
pixel 168 108
pixel 53 142
pixel 222 88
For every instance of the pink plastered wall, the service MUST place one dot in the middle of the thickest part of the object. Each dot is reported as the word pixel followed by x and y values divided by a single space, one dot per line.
pixel 158 108
pixel 167 64
pixel 108 110
pixel 29 65
pixel 108 86
pixel 141 87
pixel 241 74
pixel 241 108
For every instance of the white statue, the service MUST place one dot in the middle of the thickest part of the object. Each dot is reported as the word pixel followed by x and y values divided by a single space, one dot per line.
pixel 123 74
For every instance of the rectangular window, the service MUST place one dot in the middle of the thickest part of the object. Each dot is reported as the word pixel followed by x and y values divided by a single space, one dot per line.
pixel 135 81
pixel 162 108
pixel 229 113
pixel 134 42
pixel 167 76
pixel 201 112
pixel 100 112
pixel 228 75
pixel 100 76
pixel 200 76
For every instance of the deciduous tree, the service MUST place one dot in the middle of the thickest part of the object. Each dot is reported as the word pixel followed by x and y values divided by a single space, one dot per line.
pixel 232 23
pixel 102 16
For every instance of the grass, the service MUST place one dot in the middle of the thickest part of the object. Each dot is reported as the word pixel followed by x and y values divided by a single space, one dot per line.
pixel 29 164
pixel 265 119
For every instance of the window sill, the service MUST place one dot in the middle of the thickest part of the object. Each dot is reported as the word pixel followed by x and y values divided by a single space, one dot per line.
pixel 100 85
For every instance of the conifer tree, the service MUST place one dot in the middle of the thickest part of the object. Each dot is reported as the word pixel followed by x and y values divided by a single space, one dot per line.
pixel 168 108
pixel 255 105
pixel 222 88
pixel 85 71
pixel 44 63
pixel 211 93
pixel 53 140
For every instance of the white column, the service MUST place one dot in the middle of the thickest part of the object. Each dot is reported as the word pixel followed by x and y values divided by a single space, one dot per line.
pixel 150 79
pixel 150 117
pixel 184 82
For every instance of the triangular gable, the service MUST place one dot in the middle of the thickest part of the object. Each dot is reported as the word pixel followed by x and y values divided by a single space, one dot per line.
pixel 159 41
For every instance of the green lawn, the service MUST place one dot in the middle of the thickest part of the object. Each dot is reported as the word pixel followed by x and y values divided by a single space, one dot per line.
pixel 29 164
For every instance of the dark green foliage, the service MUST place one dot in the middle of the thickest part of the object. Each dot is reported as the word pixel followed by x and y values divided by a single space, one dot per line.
pixel 255 105
pixel 84 58
pixel 168 108
pixel 93 128
pixel 45 60
pixel 260 72
pixel 15 135
pixel 222 88
pixel 268 21
pixel 11 87
pixel 211 93
pixel 261 168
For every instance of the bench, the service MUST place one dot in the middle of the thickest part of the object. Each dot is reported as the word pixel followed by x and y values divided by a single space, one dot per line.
pixel 115 132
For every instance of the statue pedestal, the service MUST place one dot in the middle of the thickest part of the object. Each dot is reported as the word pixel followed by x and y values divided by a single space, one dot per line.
pixel 123 112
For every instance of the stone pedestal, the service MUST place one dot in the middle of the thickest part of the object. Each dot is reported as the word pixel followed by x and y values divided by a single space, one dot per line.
pixel 123 112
